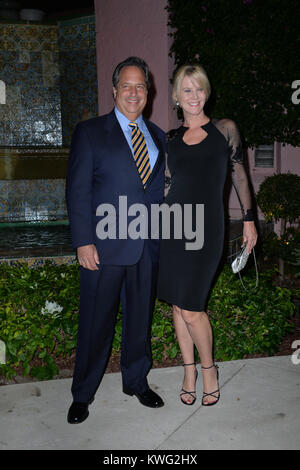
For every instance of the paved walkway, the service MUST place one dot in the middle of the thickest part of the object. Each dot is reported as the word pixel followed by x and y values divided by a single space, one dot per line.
pixel 259 409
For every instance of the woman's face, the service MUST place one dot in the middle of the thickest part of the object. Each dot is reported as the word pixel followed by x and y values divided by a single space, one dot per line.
pixel 191 97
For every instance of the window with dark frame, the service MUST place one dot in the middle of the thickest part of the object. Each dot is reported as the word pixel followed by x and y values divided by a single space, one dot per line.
pixel 264 156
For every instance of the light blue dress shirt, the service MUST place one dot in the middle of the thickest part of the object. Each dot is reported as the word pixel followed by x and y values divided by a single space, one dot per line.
pixel 124 123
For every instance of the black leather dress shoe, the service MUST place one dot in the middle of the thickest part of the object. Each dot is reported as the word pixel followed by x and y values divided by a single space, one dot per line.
pixel 78 412
pixel 150 398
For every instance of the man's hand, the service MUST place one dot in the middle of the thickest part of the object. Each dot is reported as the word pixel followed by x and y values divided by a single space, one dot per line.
pixel 88 257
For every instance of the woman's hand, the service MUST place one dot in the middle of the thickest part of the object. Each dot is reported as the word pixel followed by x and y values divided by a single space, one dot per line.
pixel 249 235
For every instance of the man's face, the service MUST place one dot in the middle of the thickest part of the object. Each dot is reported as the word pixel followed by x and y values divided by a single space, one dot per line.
pixel 131 92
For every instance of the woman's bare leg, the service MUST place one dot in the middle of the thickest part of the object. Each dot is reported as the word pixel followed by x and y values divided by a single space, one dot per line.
pixel 186 345
pixel 194 328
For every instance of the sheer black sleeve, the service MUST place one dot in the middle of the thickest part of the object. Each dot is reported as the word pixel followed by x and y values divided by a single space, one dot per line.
pixel 168 177
pixel 239 176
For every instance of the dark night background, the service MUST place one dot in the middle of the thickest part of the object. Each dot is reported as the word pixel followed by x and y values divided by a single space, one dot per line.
pixel 56 8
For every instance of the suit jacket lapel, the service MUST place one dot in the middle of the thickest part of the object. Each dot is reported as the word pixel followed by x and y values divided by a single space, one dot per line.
pixel 119 141
pixel 160 155
pixel 112 126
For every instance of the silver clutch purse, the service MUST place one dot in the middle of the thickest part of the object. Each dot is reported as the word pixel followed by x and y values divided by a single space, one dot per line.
pixel 240 261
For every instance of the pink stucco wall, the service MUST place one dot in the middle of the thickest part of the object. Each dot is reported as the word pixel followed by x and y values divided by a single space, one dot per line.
pixel 290 158
pixel 286 159
pixel 134 27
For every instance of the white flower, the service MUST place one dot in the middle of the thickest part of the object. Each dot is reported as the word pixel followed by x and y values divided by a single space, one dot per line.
pixel 63 275
pixel 51 308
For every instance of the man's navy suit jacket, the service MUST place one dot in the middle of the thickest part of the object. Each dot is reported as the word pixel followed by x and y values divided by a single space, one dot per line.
pixel 101 168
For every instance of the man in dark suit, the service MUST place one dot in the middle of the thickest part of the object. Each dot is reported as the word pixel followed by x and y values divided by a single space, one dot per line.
pixel 103 170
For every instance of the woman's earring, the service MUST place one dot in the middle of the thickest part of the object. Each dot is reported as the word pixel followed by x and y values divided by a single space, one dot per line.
pixel 177 104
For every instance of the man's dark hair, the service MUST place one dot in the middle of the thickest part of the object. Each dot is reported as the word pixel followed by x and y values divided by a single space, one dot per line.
pixel 131 61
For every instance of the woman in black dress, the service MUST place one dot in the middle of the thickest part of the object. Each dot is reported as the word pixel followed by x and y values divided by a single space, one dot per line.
pixel 198 155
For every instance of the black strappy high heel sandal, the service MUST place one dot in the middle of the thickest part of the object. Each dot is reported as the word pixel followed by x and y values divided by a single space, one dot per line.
pixel 185 392
pixel 212 394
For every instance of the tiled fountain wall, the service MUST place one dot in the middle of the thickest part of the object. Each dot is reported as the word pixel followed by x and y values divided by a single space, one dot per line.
pixel 30 71
pixel 78 72
pixel 49 72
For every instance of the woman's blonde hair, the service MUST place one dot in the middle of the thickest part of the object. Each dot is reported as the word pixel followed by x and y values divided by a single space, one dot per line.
pixel 191 70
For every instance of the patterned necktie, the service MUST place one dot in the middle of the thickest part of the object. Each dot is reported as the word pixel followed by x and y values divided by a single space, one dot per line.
pixel 140 152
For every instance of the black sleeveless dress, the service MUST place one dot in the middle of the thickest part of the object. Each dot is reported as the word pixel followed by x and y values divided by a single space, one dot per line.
pixel 195 178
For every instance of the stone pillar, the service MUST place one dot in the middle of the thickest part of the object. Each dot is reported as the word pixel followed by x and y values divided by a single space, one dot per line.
pixel 135 28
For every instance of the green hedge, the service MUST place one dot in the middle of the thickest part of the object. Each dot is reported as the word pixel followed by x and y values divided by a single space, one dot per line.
pixel 249 51
pixel 39 314
pixel 249 322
